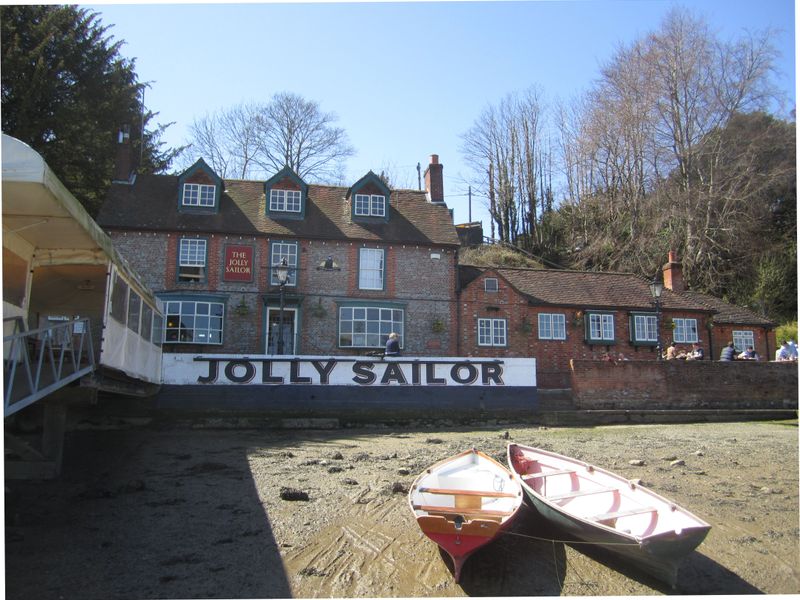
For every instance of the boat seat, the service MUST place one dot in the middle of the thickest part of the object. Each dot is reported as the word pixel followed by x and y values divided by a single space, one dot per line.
pixel 549 473
pixel 483 493
pixel 576 493
pixel 623 513
pixel 473 512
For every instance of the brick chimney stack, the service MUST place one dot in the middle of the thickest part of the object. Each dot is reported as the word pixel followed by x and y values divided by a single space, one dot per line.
pixel 123 164
pixel 673 273
pixel 434 182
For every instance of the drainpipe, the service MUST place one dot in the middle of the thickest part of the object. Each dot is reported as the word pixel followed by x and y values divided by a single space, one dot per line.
pixel 710 328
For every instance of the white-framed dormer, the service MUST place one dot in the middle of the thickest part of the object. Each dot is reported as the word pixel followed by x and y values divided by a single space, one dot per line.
pixel 199 189
pixel 370 199
pixel 286 195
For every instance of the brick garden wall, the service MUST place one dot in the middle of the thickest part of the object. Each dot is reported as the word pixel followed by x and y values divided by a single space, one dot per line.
pixel 675 384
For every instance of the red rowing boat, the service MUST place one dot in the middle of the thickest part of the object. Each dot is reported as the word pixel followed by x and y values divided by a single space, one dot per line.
pixel 463 502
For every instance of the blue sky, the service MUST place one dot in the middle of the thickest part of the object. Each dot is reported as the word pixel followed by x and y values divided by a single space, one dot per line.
pixel 405 79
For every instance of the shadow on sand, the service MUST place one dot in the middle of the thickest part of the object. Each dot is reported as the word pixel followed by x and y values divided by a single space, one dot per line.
pixel 515 564
pixel 136 518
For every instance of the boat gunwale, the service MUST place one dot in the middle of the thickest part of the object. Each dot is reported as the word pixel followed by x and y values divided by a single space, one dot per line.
pixel 641 540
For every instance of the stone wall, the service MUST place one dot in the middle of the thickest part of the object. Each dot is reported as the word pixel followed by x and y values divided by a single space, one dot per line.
pixel 680 385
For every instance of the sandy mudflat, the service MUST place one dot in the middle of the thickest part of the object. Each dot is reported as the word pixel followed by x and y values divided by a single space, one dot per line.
pixel 197 513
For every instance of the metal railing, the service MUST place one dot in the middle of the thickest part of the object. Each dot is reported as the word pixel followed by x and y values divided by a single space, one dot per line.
pixel 39 362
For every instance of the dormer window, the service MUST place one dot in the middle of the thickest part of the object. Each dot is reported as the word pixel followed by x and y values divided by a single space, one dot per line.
pixel 285 201
pixel 370 199
pixel 286 195
pixel 199 189
pixel 198 194
pixel 370 205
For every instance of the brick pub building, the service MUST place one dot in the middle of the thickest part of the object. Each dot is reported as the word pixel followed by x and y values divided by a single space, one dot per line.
pixel 363 261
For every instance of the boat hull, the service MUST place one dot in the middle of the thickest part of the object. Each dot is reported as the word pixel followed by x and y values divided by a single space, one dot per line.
pixel 462 505
pixel 656 550
pixel 659 556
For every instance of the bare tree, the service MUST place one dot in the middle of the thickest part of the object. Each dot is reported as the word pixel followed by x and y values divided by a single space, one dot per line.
pixel 641 150
pixel 228 140
pixel 505 149
pixel 257 140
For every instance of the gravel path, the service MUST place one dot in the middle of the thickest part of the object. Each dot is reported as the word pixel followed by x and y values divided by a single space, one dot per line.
pixel 202 513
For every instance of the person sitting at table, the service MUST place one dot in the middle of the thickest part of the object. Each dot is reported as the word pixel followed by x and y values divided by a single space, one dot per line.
pixel 697 352
pixel 672 351
pixel 728 353
pixel 748 354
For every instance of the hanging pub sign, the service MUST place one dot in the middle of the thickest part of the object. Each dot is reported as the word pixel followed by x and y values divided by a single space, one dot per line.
pixel 238 263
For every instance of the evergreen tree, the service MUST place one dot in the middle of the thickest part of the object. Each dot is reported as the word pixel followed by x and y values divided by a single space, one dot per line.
pixel 66 91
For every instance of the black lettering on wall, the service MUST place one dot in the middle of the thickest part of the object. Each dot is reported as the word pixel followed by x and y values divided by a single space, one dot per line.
pixel 430 375
pixel 266 373
pixel 364 374
pixel 324 370
pixel 294 373
pixel 213 370
pixel 393 373
pixel 471 377
pixel 249 371
pixel 491 373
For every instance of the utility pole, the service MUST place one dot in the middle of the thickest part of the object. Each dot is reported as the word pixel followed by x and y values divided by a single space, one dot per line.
pixel 469 192
pixel 419 177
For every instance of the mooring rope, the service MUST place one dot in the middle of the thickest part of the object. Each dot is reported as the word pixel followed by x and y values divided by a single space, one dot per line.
pixel 541 539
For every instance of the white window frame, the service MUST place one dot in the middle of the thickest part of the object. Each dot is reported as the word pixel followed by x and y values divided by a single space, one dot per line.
pixel 552 326
pixel 645 328
pixel 192 254
pixel 601 327
pixel 743 339
pixel 371 268
pixel 493 287
pixel 366 205
pixel 199 195
pixel 279 251
pixel 135 303
pixel 285 200
pixel 369 326
pixel 492 332
pixel 684 331
pixel 203 320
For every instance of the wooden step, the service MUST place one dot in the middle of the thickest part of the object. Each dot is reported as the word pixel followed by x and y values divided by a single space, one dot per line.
pixel 623 513
pixel 452 492
pixel 472 512
pixel 576 493
pixel 549 474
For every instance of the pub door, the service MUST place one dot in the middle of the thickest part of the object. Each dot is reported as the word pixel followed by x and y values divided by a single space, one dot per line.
pixel 274 331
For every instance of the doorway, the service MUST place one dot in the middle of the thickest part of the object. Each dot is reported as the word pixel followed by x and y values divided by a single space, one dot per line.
pixel 274 330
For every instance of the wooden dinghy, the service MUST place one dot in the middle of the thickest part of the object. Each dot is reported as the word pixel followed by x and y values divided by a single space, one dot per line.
pixel 597 506
pixel 464 502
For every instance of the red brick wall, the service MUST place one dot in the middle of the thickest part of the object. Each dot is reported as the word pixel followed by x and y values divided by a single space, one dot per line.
pixel 553 356
pixel 765 342
pixel 677 384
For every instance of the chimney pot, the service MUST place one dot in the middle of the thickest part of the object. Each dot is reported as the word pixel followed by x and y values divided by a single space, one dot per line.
pixel 673 273
pixel 123 164
pixel 434 180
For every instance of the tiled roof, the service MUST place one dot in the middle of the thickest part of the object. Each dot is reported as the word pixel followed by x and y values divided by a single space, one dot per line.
pixel 151 204
pixel 729 314
pixel 587 289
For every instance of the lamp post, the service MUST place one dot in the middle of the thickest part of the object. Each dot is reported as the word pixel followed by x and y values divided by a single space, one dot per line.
pixel 656 287
pixel 282 273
